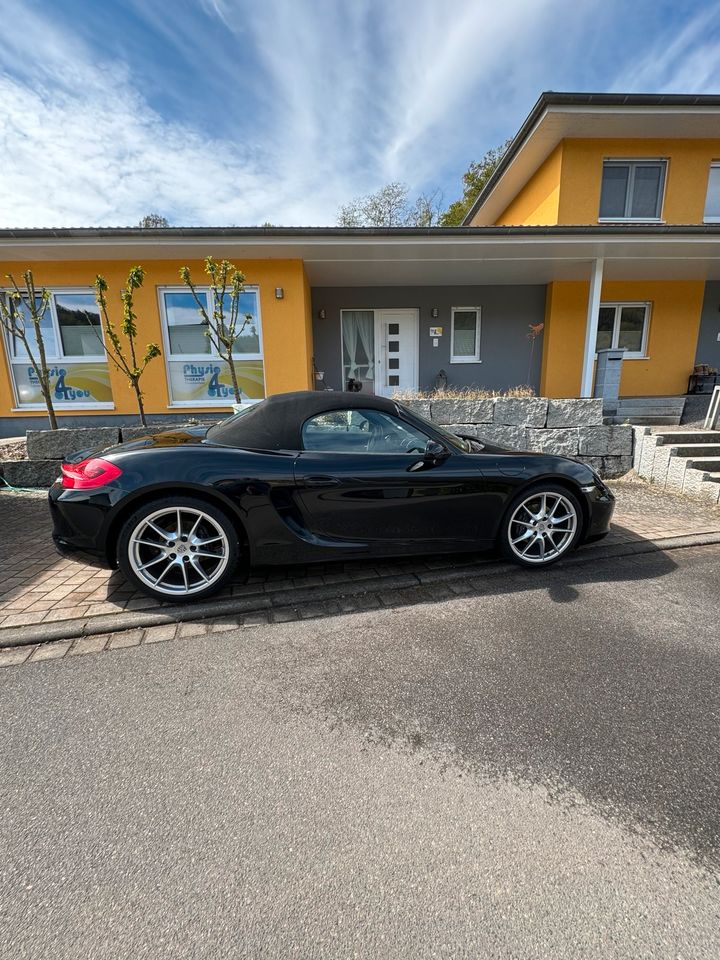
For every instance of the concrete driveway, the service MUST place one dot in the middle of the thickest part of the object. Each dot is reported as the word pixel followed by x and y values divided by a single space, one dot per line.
pixel 528 772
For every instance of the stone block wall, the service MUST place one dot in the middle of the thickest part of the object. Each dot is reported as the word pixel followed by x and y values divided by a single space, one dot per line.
pixel 568 428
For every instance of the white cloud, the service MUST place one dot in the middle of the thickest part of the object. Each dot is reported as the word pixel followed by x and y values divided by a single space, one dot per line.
pixel 679 61
pixel 323 100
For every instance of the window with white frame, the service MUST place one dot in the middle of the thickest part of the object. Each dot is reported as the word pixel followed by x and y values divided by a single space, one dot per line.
pixel 623 326
pixel 465 335
pixel 73 339
pixel 632 189
pixel 197 376
pixel 712 199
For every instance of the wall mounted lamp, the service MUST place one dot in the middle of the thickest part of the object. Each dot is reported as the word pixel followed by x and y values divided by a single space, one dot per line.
pixel 279 293
pixel 434 313
pixel 321 313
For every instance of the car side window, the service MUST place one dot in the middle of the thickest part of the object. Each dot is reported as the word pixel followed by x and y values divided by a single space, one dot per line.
pixel 361 431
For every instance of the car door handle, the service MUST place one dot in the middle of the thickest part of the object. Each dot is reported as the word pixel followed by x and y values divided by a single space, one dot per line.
pixel 321 481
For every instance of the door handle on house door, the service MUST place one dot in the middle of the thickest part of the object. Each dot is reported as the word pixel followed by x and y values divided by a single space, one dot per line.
pixel 321 481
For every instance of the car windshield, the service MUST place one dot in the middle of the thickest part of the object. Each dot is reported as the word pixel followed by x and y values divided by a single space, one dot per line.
pixel 452 439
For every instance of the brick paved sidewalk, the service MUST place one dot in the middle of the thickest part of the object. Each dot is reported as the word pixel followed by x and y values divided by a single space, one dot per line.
pixel 38 587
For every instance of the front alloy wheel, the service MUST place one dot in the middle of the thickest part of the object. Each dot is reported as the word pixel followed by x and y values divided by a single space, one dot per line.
pixel 541 526
pixel 182 549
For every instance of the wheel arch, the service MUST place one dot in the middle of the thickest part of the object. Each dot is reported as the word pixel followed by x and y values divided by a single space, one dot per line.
pixel 207 494
pixel 557 480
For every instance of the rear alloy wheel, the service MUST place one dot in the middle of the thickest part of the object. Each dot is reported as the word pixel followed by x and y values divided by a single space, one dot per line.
pixel 541 525
pixel 178 548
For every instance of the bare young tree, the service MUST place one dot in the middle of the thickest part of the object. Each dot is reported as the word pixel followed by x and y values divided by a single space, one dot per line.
pixel 124 357
pixel 15 307
pixel 224 327
pixel 391 207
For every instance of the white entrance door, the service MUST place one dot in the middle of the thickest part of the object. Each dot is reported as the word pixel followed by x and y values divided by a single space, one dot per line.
pixel 396 339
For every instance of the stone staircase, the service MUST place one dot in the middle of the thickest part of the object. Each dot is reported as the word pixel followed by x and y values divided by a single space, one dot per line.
pixel 666 411
pixel 686 460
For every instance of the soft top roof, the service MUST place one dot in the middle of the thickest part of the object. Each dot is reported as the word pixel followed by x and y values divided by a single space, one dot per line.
pixel 276 423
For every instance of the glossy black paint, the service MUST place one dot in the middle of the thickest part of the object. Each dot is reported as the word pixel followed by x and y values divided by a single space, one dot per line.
pixel 301 506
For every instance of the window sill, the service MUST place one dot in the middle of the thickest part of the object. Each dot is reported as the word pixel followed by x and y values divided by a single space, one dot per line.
pixel 639 220
pixel 61 408
pixel 463 360
pixel 711 219
pixel 634 356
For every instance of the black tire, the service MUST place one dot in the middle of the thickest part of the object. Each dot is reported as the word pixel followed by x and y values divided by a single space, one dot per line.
pixel 207 547
pixel 520 532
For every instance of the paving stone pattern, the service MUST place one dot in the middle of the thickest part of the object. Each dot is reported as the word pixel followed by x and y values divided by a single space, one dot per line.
pixel 39 587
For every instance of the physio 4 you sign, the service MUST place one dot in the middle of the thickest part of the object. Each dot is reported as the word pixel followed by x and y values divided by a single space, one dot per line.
pixel 200 383
pixel 71 384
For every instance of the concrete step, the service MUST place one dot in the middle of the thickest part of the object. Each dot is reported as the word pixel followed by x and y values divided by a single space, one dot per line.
pixel 674 402
pixel 645 421
pixel 694 450
pixel 683 437
pixel 709 464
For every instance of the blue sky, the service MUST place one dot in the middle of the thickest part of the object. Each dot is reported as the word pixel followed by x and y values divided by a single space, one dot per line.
pixel 218 112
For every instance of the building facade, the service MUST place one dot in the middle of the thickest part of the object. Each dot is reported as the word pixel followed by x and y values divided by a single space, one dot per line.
pixel 599 228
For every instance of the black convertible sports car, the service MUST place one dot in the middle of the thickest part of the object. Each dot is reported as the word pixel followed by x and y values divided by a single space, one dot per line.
pixel 315 476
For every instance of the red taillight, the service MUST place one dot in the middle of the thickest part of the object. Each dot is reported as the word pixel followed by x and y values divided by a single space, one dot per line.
pixel 92 472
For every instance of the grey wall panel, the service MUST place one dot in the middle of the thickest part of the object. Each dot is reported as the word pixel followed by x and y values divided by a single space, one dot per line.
pixel 708 348
pixel 504 347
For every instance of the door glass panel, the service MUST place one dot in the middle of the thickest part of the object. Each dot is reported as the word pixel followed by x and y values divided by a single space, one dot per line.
pixel 361 431
pixel 80 327
pixel 646 191
pixel 393 346
pixel 632 325
pixel 393 329
pixel 614 190
pixel 606 324
pixel 358 336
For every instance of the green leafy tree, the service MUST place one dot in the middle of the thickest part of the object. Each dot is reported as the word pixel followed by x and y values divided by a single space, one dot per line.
pixel 474 179
pixel 125 355
pixel 223 324
pixel 18 308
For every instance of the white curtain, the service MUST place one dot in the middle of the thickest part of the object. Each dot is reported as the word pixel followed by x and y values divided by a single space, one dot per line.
pixel 366 332
pixel 359 325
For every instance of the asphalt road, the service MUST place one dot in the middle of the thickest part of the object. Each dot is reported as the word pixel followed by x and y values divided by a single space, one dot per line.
pixel 530 773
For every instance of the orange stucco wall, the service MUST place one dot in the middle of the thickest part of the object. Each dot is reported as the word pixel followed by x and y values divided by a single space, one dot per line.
pixel 672 337
pixel 565 189
pixel 286 323
pixel 685 187
pixel 537 202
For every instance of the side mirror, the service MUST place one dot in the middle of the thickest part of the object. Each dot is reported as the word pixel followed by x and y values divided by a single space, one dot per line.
pixel 434 452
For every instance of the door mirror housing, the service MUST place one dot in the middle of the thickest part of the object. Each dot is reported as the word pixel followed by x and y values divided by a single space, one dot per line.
pixel 434 452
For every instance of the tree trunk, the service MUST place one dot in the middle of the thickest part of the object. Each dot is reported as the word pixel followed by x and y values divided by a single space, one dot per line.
pixel 47 397
pixel 233 377
pixel 141 408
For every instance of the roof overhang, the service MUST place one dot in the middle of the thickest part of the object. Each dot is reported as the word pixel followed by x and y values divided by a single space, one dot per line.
pixel 564 116
pixel 399 257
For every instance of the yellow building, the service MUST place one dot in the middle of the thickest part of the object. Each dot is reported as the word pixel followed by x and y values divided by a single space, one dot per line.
pixel 646 165
pixel 600 228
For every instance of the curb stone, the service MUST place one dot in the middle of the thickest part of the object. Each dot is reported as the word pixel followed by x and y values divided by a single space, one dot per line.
pixel 92 635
